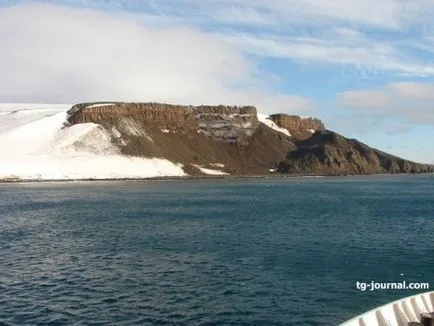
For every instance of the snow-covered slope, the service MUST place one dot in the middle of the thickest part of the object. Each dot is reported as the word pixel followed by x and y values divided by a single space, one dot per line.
pixel 209 171
pixel 265 120
pixel 35 144
pixel 15 115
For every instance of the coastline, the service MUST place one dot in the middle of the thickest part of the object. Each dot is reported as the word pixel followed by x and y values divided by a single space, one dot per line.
pixel 205 177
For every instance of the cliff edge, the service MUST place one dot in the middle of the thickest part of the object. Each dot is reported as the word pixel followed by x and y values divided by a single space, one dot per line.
pixel 232 140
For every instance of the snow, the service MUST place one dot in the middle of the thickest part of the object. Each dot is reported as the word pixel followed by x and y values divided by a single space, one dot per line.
pixel 236 115
pixel 209 171
pixel 165 131
pixel 32 106
pixel 100 104
pixel 16 115
pixel 130 127
pixel 116 133
pixel 35 144
pixel 247 125
pixel 312 131
pixel 217 165
pixel 269 123
pixel 89 137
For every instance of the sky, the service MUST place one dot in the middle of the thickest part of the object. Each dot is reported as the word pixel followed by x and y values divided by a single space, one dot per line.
pixel 365 67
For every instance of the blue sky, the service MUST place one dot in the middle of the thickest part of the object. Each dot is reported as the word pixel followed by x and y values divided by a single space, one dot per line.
pixel 365 67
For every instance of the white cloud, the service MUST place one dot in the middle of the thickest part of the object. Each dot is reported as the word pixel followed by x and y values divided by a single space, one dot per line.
pixel 369 35
pixel 409 102
pixel 388 14
pixel 368 99
pixel 337 46
pixel 414 91
pixel 65 54
pixel 366 35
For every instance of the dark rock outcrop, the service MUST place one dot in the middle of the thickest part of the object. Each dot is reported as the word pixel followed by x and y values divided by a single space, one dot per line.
pixel 232 138
pixel 328 153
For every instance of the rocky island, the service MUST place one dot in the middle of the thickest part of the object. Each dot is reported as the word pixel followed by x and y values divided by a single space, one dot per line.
pixel 235 140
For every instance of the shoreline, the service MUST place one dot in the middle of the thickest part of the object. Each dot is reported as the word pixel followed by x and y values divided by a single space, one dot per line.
pixel 203 177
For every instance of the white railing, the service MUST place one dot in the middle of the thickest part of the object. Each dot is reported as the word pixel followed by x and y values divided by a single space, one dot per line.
pixel 397 313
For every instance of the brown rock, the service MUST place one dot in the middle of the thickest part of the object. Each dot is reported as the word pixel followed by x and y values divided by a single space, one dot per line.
pixel 231 139
pixel 300 128
pixel 233 124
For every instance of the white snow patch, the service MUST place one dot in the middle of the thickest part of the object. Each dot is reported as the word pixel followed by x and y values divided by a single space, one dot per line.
pixel 269 123
pixel 29 137
pixel 312 131
pixel 217 165
pixel 35 144
pixel 88 167
pixel 16 117
pixel 247 125
pixel 116 133
pixel 32 106
pixel 236 115
pixel 130 127
pixel 88 137
pixel 100 104
pixel 165 131
pixel 209 171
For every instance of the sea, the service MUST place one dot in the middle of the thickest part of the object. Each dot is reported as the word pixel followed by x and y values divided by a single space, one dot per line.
pixel 277 251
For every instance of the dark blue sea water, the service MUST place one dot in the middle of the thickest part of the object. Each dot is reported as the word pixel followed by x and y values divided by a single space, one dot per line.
pixel 222 252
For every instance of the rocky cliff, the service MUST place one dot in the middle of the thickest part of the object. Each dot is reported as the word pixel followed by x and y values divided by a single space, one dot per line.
pixel 230 139
pixel 328 153
pixel 301 128
pixel 231 124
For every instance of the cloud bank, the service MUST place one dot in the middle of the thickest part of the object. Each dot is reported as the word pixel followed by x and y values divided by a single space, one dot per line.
pixel 410 102
pixel 389 36
pixel 69 54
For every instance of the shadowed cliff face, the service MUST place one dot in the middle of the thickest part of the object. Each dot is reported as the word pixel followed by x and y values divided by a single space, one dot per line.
pixel 232 140
pixel 328 153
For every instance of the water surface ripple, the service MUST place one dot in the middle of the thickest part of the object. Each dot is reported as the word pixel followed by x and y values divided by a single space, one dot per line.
pixel 226 252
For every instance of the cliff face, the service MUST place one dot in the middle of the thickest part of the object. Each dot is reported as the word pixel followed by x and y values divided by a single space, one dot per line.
pixel 232 124
pixel 232 140
pixel 300 128
pixel 227 138
pixel 328 153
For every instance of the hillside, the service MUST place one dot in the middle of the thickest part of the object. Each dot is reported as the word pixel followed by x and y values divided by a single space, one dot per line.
pixel 328 153
pixel 144 140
